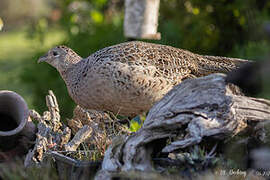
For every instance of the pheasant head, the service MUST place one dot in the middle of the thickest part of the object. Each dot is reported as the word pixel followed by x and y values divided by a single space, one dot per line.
pixel 60 57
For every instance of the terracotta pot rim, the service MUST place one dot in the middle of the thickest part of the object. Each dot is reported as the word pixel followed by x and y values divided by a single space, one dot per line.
pixel 25 114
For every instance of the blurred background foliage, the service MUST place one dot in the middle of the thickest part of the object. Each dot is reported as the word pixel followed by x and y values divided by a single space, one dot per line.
pixel 234 28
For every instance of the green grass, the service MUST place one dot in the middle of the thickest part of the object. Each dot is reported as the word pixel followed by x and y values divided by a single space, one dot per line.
pixel 16 51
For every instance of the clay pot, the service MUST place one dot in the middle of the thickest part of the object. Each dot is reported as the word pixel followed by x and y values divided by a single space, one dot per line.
pixel 16 128
pixel 72 169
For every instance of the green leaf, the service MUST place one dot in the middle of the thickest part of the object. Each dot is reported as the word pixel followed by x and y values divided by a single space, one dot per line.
pixel 134 126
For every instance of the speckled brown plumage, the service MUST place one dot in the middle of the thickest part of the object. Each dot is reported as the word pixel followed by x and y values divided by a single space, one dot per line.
pixel 129 78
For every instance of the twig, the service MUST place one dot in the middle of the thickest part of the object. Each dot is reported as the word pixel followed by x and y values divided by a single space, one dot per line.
pixel 80 137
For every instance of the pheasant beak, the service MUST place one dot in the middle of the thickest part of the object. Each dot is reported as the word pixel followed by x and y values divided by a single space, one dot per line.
pixel 43 58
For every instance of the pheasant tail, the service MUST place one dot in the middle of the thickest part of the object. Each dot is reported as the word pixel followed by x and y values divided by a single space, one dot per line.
pixel 217 64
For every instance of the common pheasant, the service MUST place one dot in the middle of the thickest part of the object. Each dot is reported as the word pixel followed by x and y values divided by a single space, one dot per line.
pixel 128 78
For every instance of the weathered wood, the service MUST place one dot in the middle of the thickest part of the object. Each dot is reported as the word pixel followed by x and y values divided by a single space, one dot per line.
pixel 141 19
pixel 80 137
pixel 192 110
pixel 53 139
pixel 53 135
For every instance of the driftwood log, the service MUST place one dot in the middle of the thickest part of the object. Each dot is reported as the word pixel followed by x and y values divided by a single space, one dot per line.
pixel 193 110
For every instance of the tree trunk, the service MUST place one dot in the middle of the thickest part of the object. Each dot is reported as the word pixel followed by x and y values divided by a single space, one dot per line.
pixel 141 19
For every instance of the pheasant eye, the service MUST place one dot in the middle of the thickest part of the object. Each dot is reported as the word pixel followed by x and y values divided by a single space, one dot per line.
pixel 55 53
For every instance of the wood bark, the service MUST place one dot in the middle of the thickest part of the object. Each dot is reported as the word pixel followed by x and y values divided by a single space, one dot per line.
pixel 54 140
pixel 194 109
pixel 52 135
pixel 141 19
pixel 79 137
